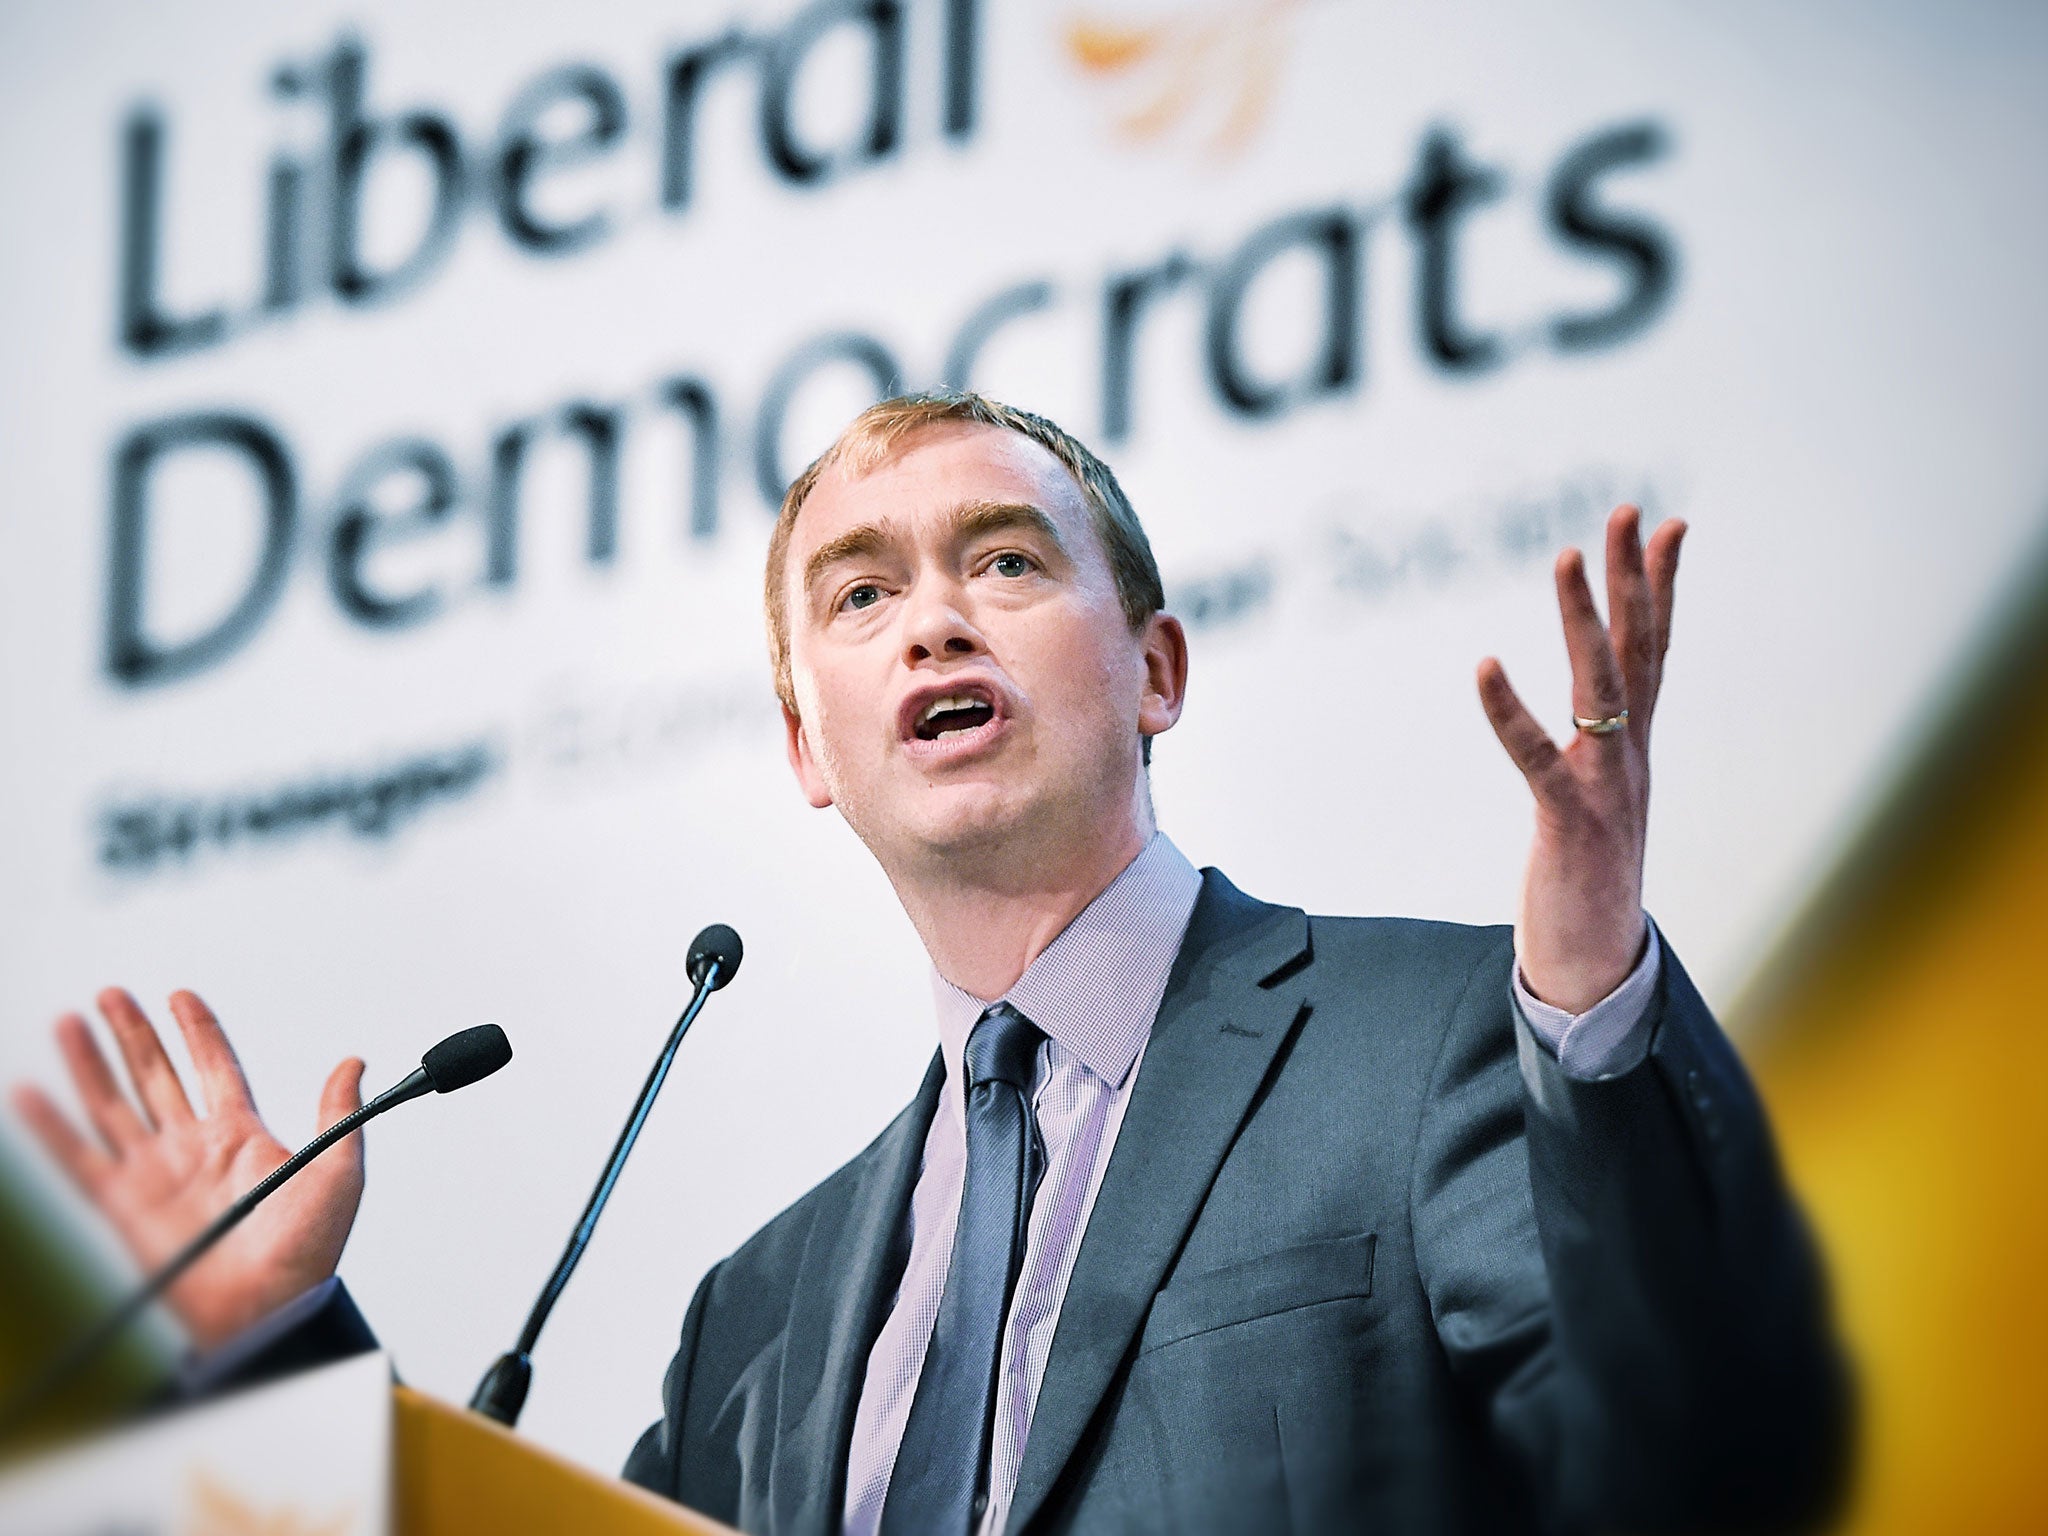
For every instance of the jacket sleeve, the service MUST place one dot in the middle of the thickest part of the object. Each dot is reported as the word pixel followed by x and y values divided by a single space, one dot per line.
pixel 663 1461
pixel 1619 1277
pixel 318 1328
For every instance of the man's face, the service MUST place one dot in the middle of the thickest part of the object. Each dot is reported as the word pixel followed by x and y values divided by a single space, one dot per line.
pixel 962 665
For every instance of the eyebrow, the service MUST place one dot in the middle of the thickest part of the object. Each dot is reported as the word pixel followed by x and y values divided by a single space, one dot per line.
pixel 971 519
pixel 976 518
pixel 854 544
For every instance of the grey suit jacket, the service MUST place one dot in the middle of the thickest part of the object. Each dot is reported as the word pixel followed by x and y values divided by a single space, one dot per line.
pixel 1348 1270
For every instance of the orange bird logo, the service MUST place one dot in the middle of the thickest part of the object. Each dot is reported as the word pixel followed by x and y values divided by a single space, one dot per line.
pixel 1211 72
pixel 215 1509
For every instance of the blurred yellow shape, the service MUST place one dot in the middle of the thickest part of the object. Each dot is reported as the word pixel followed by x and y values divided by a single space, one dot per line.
pixel 1902 1044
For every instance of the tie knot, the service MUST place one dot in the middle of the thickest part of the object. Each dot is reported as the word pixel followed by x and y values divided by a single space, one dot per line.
pixel 1003 1049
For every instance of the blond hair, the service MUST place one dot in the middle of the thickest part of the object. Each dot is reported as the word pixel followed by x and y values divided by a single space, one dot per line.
pixel 874 434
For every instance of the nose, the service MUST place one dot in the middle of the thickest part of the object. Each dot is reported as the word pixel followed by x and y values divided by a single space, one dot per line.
pixel 934 625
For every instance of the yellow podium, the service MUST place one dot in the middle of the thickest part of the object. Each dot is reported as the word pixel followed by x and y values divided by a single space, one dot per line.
pixel 457 1473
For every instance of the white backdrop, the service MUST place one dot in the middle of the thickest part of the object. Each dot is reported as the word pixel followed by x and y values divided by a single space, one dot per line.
pixel 1829 215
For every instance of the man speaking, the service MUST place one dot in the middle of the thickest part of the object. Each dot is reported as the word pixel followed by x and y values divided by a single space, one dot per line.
pixel 1208 1215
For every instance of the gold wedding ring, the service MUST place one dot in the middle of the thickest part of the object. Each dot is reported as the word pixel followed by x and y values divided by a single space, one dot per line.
pixel 1606 726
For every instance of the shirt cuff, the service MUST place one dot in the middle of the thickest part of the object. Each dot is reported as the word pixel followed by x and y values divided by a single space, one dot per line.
pixel 1608 1039
pixel 200 1372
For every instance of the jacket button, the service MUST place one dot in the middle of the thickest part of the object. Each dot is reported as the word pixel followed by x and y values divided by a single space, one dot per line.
pixel 1703 1105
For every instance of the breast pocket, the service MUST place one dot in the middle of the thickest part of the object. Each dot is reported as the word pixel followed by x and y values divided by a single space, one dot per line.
pixel 1306 1275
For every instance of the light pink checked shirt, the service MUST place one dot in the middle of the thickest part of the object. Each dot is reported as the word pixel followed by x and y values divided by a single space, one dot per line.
pixel 1094 991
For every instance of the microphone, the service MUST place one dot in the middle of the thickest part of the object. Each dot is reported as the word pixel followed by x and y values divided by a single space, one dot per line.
pixel 714 960
pixel 463 1058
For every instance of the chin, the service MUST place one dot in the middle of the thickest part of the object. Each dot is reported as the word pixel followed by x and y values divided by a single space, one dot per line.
pixel 972 821
pixel 962 819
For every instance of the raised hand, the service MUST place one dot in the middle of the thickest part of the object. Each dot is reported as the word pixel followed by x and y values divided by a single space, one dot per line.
pixel 1580 928
pixel 159 1171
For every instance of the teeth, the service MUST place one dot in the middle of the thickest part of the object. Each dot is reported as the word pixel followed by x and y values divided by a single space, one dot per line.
pixel 940 706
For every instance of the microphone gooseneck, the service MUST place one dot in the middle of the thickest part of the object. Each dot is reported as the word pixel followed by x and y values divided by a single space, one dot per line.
pixel 463 1058
pixel 714 959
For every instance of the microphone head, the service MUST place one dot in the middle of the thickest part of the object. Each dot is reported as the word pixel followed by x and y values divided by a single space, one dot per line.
pixel 465 1056
pixel 718 944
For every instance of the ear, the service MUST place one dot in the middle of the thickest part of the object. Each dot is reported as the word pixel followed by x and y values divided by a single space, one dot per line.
pixel 1166 674
pixel 802 764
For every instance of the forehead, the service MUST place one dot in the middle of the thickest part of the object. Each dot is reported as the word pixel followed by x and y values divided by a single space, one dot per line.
pixel 933 472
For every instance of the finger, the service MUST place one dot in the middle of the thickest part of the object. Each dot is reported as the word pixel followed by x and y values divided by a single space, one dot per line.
pixel 1663 575
pixel 156 1080
pixel 1633 613
pixel 87 1166
pixel 221 1078
pixel 1597 688
pixel 342 1095
pixel 1527 743
pixel 120 1127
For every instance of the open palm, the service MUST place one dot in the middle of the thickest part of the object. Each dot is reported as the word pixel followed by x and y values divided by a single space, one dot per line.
pixel 1580 927
pixel 160 1172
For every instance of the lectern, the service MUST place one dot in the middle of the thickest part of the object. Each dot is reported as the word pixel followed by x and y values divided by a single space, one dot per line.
pixel 338 1451
pixel 457 1473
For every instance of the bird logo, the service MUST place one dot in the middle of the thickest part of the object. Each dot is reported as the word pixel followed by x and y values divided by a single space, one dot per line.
pixel 1210 73
pixel 215 1509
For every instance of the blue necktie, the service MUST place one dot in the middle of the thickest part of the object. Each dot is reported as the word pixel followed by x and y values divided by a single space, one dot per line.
pixel 940 1484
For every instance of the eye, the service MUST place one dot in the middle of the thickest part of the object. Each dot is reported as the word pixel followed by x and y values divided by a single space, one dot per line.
pixel 866 595
pixel 1010 563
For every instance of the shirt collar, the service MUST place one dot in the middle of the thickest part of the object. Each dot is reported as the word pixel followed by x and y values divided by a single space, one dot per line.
pixel 1096 988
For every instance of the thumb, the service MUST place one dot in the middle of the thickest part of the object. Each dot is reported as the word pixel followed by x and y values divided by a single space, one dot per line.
pixel 343 1094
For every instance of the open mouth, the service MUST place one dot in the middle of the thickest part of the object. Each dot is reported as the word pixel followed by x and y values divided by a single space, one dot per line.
pixel 954 712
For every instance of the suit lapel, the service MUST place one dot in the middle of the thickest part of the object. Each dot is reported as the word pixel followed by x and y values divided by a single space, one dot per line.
pixel 853 1260
pixel 1225 1015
